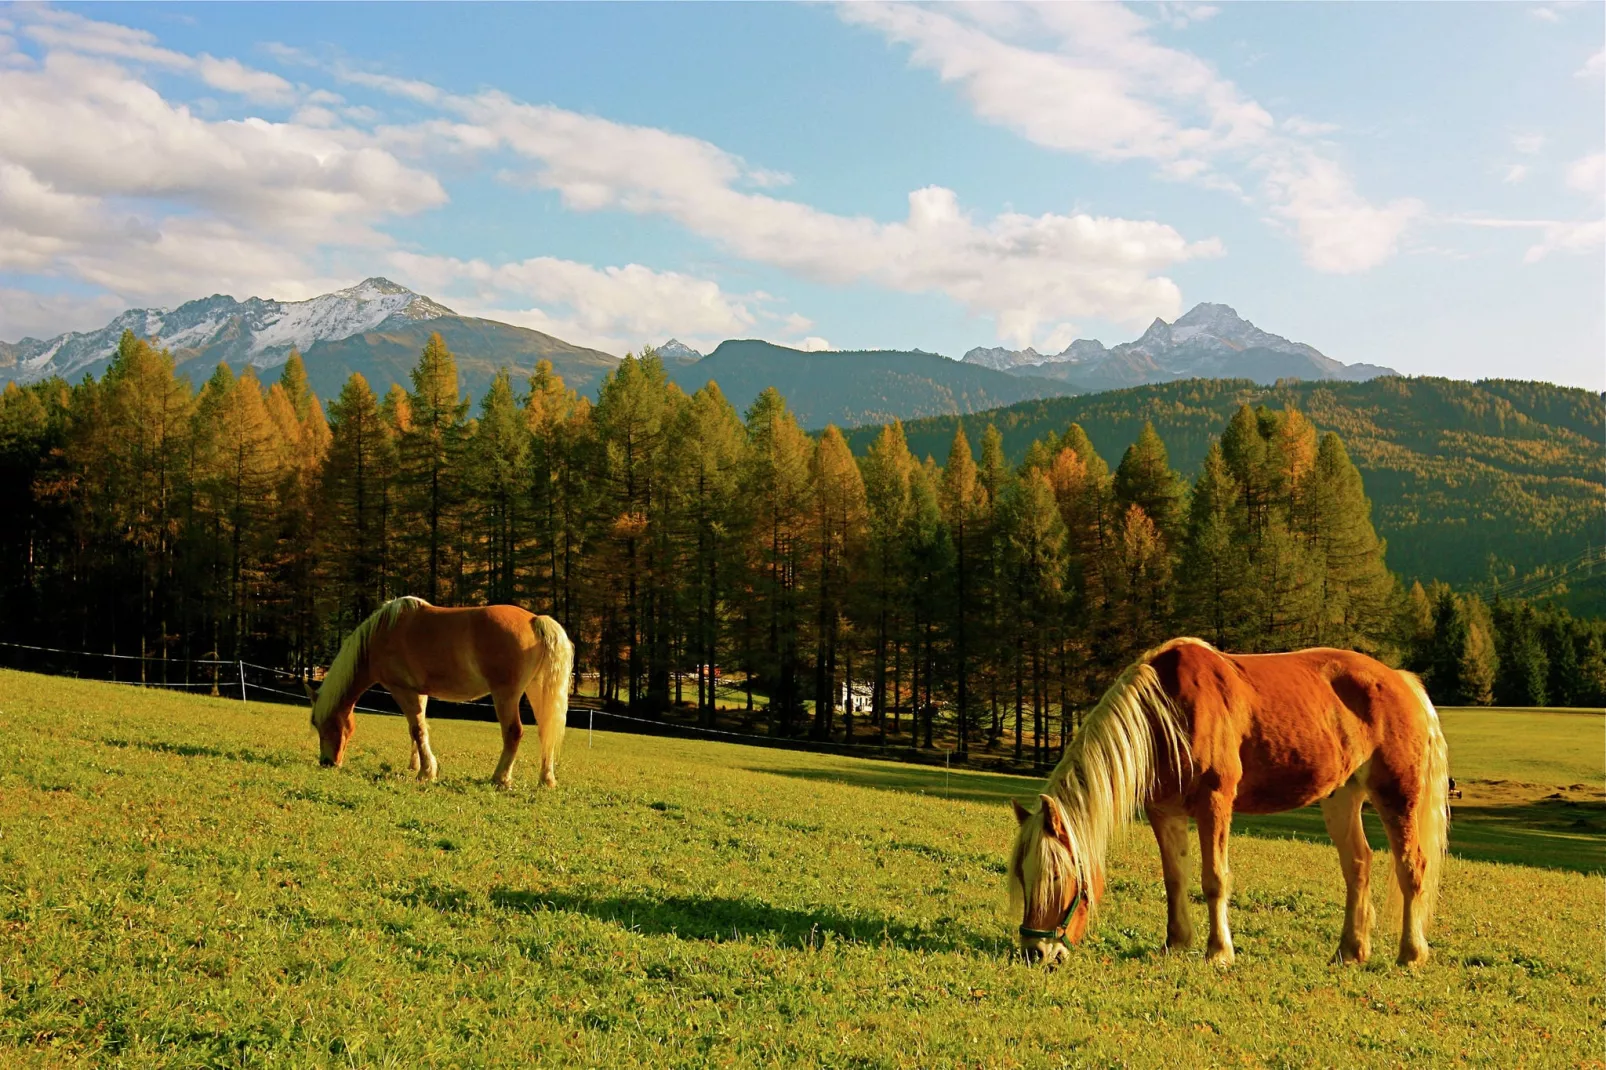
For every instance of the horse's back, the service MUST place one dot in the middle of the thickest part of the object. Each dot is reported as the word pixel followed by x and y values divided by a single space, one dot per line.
pixel 463 653
pixel 1288 729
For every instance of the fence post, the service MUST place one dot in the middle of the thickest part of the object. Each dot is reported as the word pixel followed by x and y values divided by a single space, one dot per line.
pixel 591 720
pixel 946 755
pixel 242 681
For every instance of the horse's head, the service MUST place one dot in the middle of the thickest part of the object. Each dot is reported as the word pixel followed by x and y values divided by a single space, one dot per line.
pixel 334 728
pixel 1043 883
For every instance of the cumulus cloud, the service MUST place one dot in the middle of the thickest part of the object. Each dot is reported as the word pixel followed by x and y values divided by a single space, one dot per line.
pixel 1594 66
pixel 1515 173
pixel 614 309
pixel 1090 79
pixel 1588 175
pixel 1027 272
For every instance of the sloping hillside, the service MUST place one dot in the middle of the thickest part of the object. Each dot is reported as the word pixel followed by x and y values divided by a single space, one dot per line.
pixel 1458 473
pixel 857 387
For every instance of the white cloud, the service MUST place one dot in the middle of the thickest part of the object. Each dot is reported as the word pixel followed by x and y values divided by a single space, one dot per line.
pixel 1027 272
pixel 1088 78
pixel 614 309
pixel 816 344
pixel 1555 235
pixel 1515 173
pixel 1544 14
pixel 1588 175
pixel 1179 16
pixel 30 314
pixel 1594 66
pixel 65 31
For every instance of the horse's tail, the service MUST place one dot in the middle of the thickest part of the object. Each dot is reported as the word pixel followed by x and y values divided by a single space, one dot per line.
pixel 1433 801
pixel 549 690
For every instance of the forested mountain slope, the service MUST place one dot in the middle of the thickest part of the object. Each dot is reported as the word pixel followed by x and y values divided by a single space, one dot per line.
pixel 1458 472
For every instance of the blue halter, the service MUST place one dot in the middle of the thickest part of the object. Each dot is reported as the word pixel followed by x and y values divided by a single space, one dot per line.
pixel 1058 932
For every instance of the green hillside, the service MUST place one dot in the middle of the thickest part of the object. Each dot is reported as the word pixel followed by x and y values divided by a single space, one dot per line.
pixel 850 388
pixel 1457 472
pixel 481 347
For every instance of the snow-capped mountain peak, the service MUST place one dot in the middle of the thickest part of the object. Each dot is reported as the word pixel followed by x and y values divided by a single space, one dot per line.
pixel 675 350
pixel 1208 341
pixel 256 331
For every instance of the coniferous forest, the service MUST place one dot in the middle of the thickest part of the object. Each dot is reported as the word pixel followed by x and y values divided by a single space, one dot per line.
pixel 836 596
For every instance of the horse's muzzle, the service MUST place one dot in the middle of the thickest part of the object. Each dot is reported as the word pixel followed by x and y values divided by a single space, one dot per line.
pixel 326 761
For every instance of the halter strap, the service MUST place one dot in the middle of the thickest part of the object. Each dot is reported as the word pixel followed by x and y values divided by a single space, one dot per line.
pixel 1058 932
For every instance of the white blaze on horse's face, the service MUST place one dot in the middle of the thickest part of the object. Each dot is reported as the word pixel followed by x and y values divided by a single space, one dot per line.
pixel 1042 878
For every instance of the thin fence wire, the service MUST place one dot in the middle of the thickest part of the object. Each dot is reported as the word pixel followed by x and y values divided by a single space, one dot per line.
pixel 225 683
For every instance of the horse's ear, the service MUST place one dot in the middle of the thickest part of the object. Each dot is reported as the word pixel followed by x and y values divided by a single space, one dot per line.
pixel 1021 813
pixel 1053 820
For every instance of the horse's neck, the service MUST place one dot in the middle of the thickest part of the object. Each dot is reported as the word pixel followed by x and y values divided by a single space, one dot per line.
pixel 362 678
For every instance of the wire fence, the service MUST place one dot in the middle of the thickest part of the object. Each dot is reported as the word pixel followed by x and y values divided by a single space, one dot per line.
pixel 248 681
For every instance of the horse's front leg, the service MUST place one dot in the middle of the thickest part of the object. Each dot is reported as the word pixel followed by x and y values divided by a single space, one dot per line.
pixel 412 706
pixel 507 712
pixel 1171 833
pixel 1215 823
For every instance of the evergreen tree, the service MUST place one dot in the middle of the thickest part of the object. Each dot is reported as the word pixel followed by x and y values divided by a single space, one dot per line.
pixel 1353 603
pixel 1215 570
pixel 888 469
pixel 498 470
pixel 1145 479
pixel 431 459
pixel 962 509
pixel 358 485
pixel 1524 667
pixel 840 517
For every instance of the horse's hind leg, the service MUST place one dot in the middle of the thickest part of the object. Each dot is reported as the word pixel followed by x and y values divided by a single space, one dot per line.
pixel 507 712
pixel 1398 808
pixel 412 706
pixel 1171 833
pixel 1215 824
pixel 1342 813
pixel 550 713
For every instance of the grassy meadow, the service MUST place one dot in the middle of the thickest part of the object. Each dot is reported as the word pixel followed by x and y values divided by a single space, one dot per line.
pixel 181 885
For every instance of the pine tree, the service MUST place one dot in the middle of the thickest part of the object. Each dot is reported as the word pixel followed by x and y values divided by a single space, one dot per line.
pixel 840 517
pixel 712 444
pixel 357 488
pixel 888 469
pixel 1524 667
pixel 1035 562
pixel 777 489
pixel 1464 661
pixel 498 472
pixel 431 460
pixel 1215 569
pixel 1145 478
pixel 1353 604
pixel 962 509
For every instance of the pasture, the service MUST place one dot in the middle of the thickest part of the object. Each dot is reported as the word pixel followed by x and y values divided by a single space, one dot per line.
pixel 180 884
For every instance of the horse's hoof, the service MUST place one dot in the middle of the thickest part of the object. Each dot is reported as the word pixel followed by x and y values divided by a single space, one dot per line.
pixel 1412 956
pixel 1220 957
pixel 1349 956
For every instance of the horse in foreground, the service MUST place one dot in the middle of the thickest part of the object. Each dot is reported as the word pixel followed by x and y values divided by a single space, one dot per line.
pixel 1188 731
pixel 416 650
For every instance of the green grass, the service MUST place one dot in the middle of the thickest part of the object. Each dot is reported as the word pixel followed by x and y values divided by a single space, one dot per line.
pixel 181 885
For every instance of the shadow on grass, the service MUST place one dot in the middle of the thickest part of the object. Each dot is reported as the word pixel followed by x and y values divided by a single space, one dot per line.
pixel 191 750
pixel 1544 833
pixel 718 919
pixel 921 780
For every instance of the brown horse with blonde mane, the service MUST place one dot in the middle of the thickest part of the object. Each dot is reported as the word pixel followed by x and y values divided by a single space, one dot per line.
pixel 416 650
pixel 1190 732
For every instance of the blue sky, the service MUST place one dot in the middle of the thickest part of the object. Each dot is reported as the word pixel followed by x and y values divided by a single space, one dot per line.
pixel 1421 186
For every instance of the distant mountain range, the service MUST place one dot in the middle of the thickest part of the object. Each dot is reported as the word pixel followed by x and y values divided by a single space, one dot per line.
pixel 853 387
pixel 1209 342
pixel 378 327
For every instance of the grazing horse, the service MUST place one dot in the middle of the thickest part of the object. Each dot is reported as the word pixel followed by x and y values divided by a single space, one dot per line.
pixel 1190 732
pixel 417 650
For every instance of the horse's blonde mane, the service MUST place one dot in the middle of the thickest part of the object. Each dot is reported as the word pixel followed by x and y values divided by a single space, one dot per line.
pixel 354 651
pixel 1107 772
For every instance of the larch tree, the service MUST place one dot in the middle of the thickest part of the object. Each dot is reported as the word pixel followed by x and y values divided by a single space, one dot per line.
pixel 431 461
pixel 840 519
pixel 962 498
